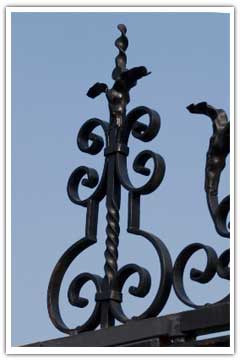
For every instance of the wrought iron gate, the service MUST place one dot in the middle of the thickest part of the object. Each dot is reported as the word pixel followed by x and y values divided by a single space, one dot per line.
pixel 148 329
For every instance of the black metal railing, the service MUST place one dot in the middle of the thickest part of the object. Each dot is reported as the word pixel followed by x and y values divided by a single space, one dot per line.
pixel 108 297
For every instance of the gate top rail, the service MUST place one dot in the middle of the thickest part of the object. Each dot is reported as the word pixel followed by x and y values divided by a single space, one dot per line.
pixel 173 330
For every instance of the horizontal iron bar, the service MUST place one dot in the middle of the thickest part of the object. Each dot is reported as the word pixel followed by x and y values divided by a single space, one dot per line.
pixel 205 320
pixel 151 342
pixel 221 341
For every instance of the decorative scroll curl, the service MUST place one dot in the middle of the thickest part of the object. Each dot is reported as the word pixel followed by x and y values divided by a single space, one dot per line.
pixel 90 143
pixel 86 135
pixel 55 285
pixel 214 264
pixel 140 130
pixel 144 286
pixel 144 133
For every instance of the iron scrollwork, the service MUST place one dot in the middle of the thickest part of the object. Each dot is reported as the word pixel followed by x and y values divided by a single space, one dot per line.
pixel 115 175
pixel 219 148
pixel 108 296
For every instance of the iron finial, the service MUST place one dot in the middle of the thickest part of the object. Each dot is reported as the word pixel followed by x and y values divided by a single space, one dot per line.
pixel 121 59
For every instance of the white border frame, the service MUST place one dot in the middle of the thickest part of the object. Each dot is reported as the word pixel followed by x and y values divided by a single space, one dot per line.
pixel 117 350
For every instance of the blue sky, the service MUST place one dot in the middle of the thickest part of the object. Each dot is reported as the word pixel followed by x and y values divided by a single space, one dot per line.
pixel 56 57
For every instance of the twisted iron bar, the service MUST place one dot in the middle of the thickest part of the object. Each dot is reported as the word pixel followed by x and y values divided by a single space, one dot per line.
pixel 113 231
pixel 108 297
pixel 121 59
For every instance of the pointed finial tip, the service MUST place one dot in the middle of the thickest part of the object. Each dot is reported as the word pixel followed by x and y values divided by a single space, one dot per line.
pixel 190 107
pixel 122 28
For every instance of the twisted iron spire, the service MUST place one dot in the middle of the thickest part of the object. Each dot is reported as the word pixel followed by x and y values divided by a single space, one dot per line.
pixel 121 59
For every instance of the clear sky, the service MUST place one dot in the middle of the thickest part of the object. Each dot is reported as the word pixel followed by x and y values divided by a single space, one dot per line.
pixel 55 59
